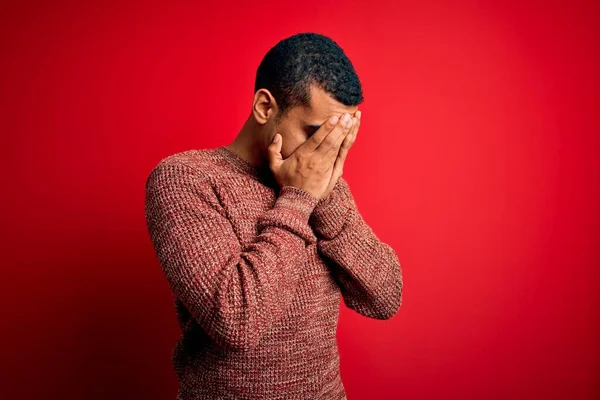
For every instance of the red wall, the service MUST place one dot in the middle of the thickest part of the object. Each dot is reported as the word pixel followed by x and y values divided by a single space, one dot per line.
pixel 477 160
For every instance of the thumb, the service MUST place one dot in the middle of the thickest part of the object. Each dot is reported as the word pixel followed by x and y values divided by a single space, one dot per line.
pixel 275 158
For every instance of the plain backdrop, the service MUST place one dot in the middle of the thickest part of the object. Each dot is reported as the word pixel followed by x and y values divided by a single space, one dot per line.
pixel 477 161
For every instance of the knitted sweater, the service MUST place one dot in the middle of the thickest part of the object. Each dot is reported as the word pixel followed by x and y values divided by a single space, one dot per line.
pixel 256 272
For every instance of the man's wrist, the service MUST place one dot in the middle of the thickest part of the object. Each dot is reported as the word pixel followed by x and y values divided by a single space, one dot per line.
pixel 329 215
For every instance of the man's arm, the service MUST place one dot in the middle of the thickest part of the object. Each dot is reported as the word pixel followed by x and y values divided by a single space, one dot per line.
pixel 236 294
pixel 366 269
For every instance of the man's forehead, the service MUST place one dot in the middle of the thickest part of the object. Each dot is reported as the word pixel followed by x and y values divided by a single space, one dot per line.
pixel 323 106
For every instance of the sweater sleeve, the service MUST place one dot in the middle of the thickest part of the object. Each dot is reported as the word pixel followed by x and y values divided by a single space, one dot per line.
pixel 366 269
pixel 236 294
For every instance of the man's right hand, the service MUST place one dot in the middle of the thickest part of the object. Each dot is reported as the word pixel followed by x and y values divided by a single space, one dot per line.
pixel 310 167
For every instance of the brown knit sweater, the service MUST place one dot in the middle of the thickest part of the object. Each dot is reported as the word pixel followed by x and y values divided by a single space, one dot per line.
pixel 256 274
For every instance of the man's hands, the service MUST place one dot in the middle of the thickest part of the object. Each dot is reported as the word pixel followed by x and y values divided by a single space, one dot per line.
pixel 312 165
pixel 338 168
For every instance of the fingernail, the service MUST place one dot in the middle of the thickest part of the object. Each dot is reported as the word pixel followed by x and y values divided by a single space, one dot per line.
pixel 346 117
pixel 334 120
pixel 358 114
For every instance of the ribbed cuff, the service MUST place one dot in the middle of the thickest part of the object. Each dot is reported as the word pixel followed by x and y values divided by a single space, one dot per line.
pixel 298 200
pixel 291 211
pixel 330 213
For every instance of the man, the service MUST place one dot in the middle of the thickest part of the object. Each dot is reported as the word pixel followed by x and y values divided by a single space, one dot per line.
pixel 259 239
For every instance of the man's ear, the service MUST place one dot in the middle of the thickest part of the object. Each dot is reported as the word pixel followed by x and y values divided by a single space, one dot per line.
pixel 264 106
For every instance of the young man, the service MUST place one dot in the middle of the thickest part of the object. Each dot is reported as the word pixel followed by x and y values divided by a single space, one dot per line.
pixel 259 239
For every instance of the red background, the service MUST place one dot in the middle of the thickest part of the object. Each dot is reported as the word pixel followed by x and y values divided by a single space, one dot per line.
pixel 477 160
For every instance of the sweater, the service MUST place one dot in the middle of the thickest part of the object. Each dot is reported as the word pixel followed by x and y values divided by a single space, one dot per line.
pixel 257 273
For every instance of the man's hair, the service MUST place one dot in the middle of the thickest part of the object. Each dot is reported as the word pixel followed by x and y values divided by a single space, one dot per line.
pixel 294 64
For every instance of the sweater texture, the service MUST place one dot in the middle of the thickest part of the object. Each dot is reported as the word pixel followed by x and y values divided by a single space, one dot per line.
pixel 257 273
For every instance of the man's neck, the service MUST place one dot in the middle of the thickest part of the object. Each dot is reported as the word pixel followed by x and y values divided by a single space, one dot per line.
pixel 246 145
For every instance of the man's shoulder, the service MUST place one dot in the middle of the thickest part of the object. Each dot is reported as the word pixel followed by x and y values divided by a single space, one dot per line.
pixel 180 178
pixel 201 162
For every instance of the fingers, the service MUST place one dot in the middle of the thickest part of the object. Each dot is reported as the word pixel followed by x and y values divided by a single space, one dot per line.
pixel 333 140
pixel 334 150
pixel 351 136
pixel 315 140
pixel 330 145
pixel 349 140
pixel 327 136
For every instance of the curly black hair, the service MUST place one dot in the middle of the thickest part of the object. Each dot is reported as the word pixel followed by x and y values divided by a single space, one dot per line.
pixel 299 61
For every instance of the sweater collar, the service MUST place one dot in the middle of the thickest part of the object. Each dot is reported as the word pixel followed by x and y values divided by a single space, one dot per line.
pixel 243 165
